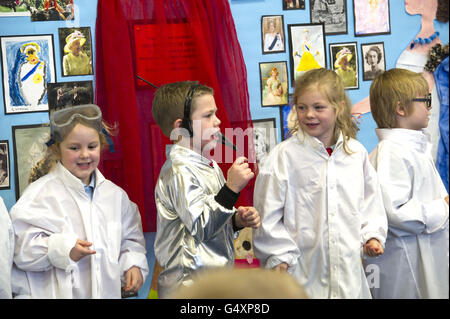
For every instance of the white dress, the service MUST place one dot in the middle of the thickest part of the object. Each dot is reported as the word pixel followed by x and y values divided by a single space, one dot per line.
pixel 415 263
pixel 316 212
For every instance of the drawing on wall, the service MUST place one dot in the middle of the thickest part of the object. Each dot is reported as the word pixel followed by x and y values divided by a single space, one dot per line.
pixel 51 10
pixel 29 150
pixel 307 45
pixel 293 4
pixel 13 8
pixel 264 137
pixel 76 51
pixel 274 83
pixel 272 34
pixel 333 13
pixel 5 181
pixel 66 94
pixel 344 61
pixel 374 61
pixel 371 17
pixel 27 67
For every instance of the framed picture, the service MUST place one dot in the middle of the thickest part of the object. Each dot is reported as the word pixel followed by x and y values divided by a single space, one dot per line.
pixel 66 94
pixel 76 51
pixel 287 118
pixel 5 181
pixel 374 61
pixel 29 150
pixel 371 17
pixel 332 13
pixel 274 83
pixel 344 61
pixel 27 66
pixel 264 136
pixel 307 48
pixel 55 10
pixel 293 4
pixel 272 34
pixel 12 8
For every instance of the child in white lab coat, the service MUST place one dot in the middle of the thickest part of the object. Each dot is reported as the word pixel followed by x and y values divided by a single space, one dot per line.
pixel 318 196
pixel 415 264
pixel 77 234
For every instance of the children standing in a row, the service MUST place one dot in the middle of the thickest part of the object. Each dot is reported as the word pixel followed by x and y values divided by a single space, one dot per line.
pixel 319 197
pixel 415 263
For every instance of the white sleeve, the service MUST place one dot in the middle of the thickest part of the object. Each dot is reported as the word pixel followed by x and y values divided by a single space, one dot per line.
pixel 272 243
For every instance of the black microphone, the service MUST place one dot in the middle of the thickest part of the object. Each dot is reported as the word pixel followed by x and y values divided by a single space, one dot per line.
pixel 225 141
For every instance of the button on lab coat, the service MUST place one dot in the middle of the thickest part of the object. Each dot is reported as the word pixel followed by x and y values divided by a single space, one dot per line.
pixel 317 211
pixel 53 213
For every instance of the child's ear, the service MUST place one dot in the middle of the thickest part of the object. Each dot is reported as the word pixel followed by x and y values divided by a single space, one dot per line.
pixel 400 110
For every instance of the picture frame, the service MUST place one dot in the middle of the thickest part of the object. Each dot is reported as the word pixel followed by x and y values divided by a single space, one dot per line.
pixel 373 60
pixel 293 4
pixel 66 94
pixel 5 170
pixel 264 137
pixel 307 48
pixel 12 9
pixel 333 14
pixel 76 51
pixel 28 64
pixel 274 81
pixel 273 39
pixel 371 17
pixel 29 150
pixel 55 11
pixel 286 119
pixel 344 61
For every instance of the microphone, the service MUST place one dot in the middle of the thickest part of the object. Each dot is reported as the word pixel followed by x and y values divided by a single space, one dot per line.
pixel 225 141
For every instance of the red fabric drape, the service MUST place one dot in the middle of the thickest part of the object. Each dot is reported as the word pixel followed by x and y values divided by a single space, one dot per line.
pixel 125 29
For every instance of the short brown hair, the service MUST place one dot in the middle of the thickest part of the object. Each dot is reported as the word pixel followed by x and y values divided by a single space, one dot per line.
pixel 169 100
pixel 391 88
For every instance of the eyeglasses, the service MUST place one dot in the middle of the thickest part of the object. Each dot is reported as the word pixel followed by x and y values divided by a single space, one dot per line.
pixel 427 100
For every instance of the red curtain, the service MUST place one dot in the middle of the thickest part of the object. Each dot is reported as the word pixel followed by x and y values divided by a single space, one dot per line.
pixel 163 42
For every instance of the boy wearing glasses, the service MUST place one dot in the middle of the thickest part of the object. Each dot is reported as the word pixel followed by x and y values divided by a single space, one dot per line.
pixel 415 262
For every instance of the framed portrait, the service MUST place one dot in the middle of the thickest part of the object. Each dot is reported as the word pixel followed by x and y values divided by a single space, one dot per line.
pixel 56 10
pixel 76 51
pixel 287 118
pixel 29 150
pixel 374 61
pixel 27 66
pixel 307 48
pixel 5 171
pixel 12 8
pixel 274 83
pixel 344 61
pixel 272 34
pixel 66 94
pixel 332 13
pixel 371 17
pixel 264 136
pixel 293 4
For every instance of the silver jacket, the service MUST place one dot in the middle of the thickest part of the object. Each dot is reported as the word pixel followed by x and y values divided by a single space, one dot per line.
pixel 193 230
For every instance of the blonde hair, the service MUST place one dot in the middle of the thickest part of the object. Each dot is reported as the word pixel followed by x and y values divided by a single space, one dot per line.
pixel 330 85
pixel 169 101
pixel 392 88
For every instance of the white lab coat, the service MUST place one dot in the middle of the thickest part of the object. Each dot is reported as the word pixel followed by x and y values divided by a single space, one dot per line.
pixel 53 213
pixel 317 211
pixel 415 263
pixel 6 252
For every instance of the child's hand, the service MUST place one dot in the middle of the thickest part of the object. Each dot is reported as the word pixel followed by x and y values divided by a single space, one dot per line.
pixel 80 250
pixel 373 248
pixel 281 267
pixel 134 279
pixel 239 175
pixel 247 217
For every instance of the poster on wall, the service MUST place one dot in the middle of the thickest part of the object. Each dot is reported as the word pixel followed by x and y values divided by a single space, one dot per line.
pixel 344 61
pixel 4 165
pixel 264 137
pixel 307 48
pixel 374 61
pixel 293 4
pixel 75 51
pixel 332 13
pixel 27 66
pixel 29 150
pixel 272 34
pixel 13 8
pixel 66 94
pixel 51 10
pixel 371 17
pixel 274 83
